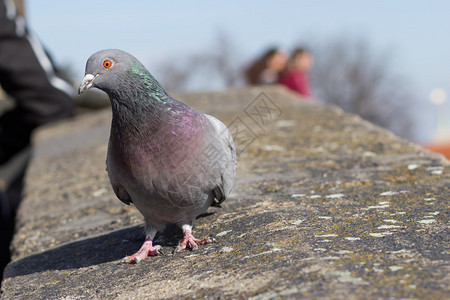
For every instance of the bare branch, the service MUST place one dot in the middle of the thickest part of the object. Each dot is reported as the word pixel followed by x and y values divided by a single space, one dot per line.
pixel 348 73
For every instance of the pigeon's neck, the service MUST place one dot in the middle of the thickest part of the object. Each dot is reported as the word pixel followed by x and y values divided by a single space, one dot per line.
pixel 139 102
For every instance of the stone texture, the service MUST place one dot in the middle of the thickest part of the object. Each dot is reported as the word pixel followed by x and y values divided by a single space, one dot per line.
pixel 325 205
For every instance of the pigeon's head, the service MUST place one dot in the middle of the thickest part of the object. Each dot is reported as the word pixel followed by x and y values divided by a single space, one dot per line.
pixel 107 68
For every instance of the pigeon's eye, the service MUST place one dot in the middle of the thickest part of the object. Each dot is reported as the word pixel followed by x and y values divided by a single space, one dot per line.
pixel 107 63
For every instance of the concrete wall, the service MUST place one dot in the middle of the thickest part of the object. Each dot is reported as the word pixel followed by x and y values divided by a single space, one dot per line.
pixel 325 205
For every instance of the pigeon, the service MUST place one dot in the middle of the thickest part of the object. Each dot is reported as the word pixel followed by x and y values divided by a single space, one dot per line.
pixel 168 159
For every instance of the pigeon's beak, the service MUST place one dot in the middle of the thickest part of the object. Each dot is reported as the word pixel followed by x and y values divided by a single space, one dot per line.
pixel 87 83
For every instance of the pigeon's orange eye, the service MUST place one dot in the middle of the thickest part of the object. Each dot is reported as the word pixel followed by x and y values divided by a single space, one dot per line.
pixel 107 63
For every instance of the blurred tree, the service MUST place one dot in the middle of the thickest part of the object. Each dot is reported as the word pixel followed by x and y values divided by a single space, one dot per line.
pixel 173 75
pixel 350 74
pixel 218 66
pixel 225 60
pixel 347 72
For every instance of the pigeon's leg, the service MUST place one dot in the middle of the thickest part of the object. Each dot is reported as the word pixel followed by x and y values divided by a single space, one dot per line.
pixel 190 240
pixel 146 250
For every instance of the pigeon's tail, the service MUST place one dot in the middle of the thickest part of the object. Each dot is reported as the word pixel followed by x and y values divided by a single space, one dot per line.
pixel 222 191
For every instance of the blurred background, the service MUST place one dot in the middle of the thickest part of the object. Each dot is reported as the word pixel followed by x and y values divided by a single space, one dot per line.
pixel 388 61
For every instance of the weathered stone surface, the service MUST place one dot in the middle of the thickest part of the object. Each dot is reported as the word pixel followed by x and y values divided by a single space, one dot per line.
pixel 324 205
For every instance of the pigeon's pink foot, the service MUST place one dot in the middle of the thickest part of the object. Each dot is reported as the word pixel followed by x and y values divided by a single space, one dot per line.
pixel 190 241
pixel 146 250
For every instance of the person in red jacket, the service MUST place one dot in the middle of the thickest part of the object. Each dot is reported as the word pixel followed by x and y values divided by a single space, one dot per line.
pixel 295 77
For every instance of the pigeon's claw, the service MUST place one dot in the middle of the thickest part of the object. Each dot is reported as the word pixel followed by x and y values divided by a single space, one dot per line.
pixel 191 242
pixel 147 249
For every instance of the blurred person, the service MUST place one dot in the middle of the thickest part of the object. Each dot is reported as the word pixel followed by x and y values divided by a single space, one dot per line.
pixel 266 70
pixel 28 76
pixel 296 77
pixel 40 96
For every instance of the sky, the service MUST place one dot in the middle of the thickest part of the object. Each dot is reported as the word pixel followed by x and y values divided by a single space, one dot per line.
pixel 415 33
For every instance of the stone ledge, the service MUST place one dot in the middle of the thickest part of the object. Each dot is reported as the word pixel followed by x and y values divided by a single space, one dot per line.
pixel 325 205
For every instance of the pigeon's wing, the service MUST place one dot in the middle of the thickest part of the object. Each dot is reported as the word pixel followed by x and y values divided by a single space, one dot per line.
pixel 222 191
pixel 122 194
pixel 118 188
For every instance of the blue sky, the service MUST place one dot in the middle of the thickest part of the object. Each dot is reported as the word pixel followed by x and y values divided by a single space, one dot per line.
pixel 415 33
